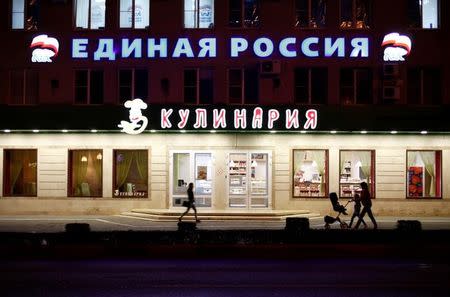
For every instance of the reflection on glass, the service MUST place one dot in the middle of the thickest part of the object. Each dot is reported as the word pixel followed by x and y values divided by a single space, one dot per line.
pixel 310 173
pixel 86 173
pixel 20 173
pixel 131 173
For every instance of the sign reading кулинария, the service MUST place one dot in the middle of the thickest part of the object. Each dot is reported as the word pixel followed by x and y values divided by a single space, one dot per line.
pixel 263 47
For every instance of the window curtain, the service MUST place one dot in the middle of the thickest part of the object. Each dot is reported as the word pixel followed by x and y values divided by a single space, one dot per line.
pixel 429 158
pixel 126 8
pixel 98 168
pixel 123 165
pixel 142 164
pixel 79 170
pixel 16 168
pixel 345 156
pixel 142 14
pixel 319 157
pixel 82 13
pixel 366 164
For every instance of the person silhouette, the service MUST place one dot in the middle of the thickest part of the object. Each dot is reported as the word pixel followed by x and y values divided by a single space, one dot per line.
pixel 366 201
pixel 357 210
pixel 190 203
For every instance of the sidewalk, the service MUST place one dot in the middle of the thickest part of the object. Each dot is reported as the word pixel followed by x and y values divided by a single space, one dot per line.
pixel 53 224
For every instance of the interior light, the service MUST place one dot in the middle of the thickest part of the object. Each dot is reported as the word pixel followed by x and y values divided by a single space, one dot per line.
pixel 7 131
pixel 152 131
pixel 303 131
pixel 213 131
pixel 423 132
pixel 273 131
pixel 333 131
pixel 182 131
pixel 254 164
pixel 99 156
pixel 64 131
pixel 93 131
pixel 35 131
pixel 363 132
pixel 393 132
pixel 83 159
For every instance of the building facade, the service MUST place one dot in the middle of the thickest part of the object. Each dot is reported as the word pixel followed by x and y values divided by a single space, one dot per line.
pixel 265 105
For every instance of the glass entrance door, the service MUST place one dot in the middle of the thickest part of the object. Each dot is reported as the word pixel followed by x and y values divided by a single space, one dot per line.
pixel 249 179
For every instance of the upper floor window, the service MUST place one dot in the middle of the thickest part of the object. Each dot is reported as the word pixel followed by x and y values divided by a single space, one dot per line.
pixel 423 14
pixel 243 85
pixel 133 83
pixel 198 13
pixel 311 85
pixel 90 14
pixel 310 13
pixel 20 172
pixel 135 14
pixel 25 14
pixel 88 86
pixel 356 86
pixel 198 86
pixel 244 13
pixel 24 87
pixel 424 86
pixel 356 14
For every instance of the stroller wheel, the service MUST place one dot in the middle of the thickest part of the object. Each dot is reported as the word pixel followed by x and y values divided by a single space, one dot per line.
pixel 327 226
pixel 344 225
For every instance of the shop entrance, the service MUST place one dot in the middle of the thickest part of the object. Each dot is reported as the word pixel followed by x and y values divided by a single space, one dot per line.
pixel 249 179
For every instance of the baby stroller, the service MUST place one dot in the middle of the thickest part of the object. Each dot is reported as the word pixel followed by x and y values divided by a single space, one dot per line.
pixel 340 209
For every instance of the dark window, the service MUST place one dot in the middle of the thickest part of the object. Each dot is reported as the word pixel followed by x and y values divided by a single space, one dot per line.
pixel 251 79
pixel 243 85
pixel 190 85
pixel 310 13
pixel 424 86
pixel 133 83
pixel 311 85
pixel 24 87
pixel 130 173
pixel 198 86
pixel 89 86
pixel 85 173
pixel 244 13
pixel 25 14
pixel 20 173
pixel 356 86
pixel 356 14
pixel 235 86
pixel 424 14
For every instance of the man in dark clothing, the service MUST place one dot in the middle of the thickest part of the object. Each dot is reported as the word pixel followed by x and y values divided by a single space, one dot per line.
pixel 190 203
pixel 366 201
pixel 357 211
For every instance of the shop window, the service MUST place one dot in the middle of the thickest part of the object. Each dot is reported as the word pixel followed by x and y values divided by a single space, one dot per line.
pixel 356 167
pixel 90 14
pixel 133 83
pixel 311 85
pixel 85 173
pixel 310 173
pixel 424 86
pixel 356 86
pixel 243 86
pixel 198 86
pixel 356 14
pixel 135 14
pixel 20 172
pixel 310 13
pixel 244 13
pixel 198 14
pixel 424 177
pixel 24 87
pixel 130 173
pixel 196 168
pixel 89 86
pixel 25 14
pixel 424 14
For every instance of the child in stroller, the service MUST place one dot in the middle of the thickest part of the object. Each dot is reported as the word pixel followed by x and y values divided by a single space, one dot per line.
pixel 339 208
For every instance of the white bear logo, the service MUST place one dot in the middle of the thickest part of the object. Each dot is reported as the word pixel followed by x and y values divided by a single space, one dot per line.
pixel 398 46
pixel 133 127
pixel 45 48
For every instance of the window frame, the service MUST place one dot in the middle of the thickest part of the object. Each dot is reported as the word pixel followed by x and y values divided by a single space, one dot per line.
pixel 438 165
pixel 26 16
pixel 133 16
pixel 4 179
pixel 89 26
pixel 24 73
pixel 309 85
pixel 242 86
pixel 421 27
pixel 70 190
pixel 355 86
pixel 372 185
pixel 133 84
pixel 88 88
pixel 354 25
pixel 197 85
pixel 197 17
pixel 327 173
pixel 309 16
pixel 422 94
pixel 115 171
pixel 242 17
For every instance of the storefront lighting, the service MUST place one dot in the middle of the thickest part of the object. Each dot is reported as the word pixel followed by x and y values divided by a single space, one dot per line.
pixel 393 132
pixel 35 131
pixel 99 156
pixel 7 131
pixel 254 164
pixel 363 132
pixel 83 159
pixel 273 132
pixel 303 131
pixel 153 131
pixel 333 131
pixel 213 131
pixel 64 131
pixel 423 132
pixel 93 131
pixel 182 131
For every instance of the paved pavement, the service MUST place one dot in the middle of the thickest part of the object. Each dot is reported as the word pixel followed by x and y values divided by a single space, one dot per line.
pixel 50 224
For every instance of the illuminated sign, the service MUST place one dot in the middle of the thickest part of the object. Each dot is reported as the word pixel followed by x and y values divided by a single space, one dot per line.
pixel 397 47
pixel 134 126
pixel 263 47
pixel 214 118
pixel 45 48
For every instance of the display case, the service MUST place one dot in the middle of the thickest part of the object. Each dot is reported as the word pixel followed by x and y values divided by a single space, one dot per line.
pixel 355 167
pixel 310 173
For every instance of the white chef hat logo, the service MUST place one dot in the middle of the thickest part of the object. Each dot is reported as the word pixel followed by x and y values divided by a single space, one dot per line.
pixel 44 48
pixel 133 126
pixel 397 47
